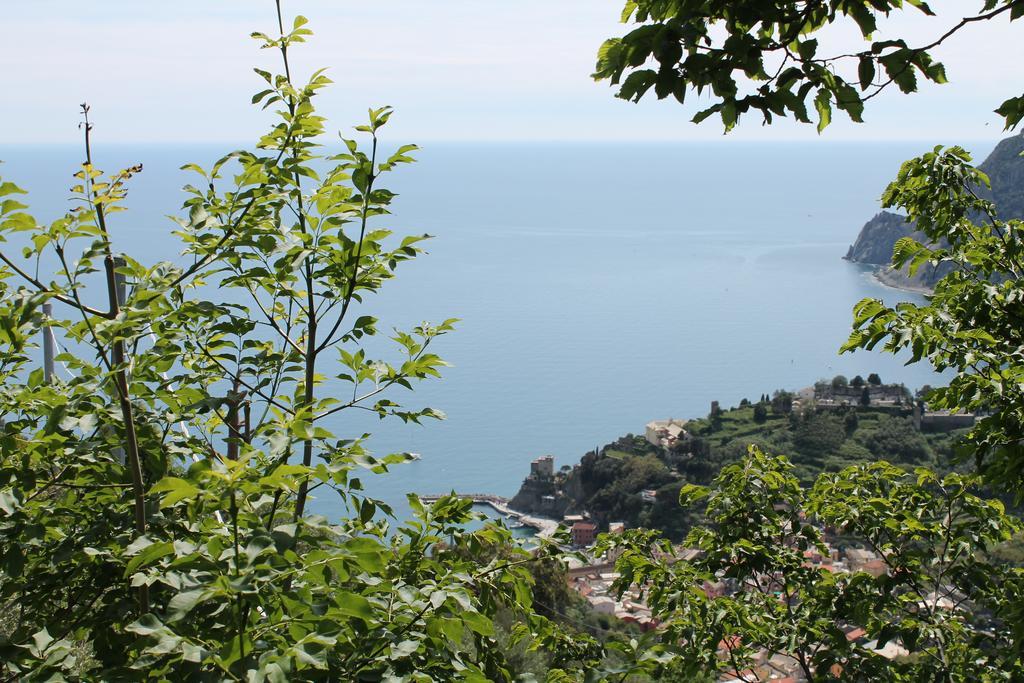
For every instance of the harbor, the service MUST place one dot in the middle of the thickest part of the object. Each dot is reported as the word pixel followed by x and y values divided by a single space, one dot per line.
pixel 544 526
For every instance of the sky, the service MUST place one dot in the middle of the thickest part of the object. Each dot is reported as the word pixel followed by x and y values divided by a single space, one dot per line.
pixel 455 70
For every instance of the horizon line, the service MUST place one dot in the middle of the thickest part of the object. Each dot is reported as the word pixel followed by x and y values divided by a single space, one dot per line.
pixel 514 141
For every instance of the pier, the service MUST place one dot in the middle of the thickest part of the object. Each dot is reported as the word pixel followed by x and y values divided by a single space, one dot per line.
pixel 545 527
pixel 482 498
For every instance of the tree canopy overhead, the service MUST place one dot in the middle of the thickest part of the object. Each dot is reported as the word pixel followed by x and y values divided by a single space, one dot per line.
pixel 765 55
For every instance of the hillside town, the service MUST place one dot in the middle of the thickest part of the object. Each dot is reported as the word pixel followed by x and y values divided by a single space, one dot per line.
pixel 546 492
pixel 554 493
pixel 595 580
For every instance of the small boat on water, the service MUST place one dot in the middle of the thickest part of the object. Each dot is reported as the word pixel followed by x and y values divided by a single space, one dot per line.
pixel 415 456
pixel 514 523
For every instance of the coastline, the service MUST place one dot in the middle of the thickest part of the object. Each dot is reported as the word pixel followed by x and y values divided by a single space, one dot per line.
pixel 544 526
pixel 887 277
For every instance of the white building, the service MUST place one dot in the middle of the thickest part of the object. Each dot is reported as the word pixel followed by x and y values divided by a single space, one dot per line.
pixel 665 433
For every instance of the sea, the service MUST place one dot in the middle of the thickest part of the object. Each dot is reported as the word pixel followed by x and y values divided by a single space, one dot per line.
pixel 598 285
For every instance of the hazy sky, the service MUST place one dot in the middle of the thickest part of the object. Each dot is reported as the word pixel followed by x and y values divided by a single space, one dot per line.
pixel 453 69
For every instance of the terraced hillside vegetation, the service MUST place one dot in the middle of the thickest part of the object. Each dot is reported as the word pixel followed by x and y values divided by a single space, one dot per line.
pixel 633 481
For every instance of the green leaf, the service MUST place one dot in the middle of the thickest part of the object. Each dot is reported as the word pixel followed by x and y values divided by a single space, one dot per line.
pixel 146 625
pixel 1012 110
pixel 823 105
pixel 866 71
pixel 148 555
pixel 404 648
pixel 354 605
pixel 368 553
pixel 7 188
pixel 478 623
pixel 10 501
pixel 807 49
pixel 177 490
pixel 637 84
pixel 184 602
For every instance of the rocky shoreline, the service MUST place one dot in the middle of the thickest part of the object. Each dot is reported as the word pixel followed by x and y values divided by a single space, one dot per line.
pixel 894 279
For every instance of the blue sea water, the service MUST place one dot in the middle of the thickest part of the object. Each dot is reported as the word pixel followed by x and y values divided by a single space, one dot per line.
pixel 599 286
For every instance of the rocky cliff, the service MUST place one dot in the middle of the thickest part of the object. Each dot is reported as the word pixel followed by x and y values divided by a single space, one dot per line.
pixel 877 237
pixel 627 481
pixel 540 496
pixel 1004 167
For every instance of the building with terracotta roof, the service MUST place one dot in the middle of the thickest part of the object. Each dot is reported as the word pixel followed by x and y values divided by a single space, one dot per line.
pixel 583 533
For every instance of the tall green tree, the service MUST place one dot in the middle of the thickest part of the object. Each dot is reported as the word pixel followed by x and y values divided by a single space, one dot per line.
pixel 154 517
